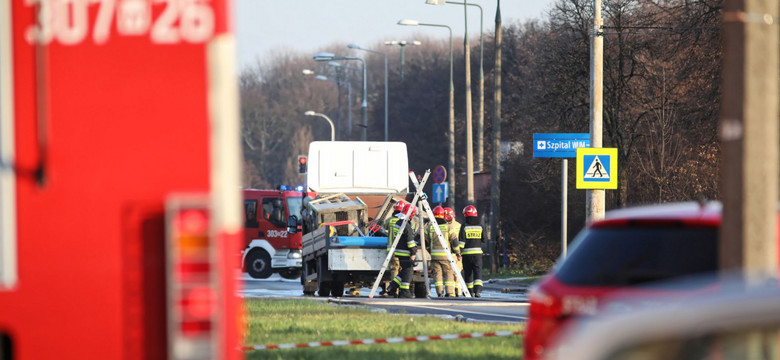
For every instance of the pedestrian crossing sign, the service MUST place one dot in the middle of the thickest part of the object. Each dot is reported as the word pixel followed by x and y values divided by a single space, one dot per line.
pixel 597 168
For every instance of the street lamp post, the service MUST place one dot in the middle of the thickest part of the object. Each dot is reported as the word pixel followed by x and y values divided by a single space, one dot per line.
pixel 451 132
pixel 349 96
pixel 481 118
pixel 469 135
pixel 338 65
pixel 332 128
pixel 324 56
pixel 356 47
pixel 337 83
pixel 469 142
pixel 495 170
pixel 403 44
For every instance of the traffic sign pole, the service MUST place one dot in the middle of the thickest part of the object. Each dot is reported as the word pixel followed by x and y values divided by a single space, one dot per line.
pixel 561 145
pixel 564 204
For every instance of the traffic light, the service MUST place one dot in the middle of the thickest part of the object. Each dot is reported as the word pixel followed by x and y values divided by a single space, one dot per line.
pixel 301 164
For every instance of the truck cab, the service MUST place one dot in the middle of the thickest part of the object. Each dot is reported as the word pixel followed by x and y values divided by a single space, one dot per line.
pixel 269 248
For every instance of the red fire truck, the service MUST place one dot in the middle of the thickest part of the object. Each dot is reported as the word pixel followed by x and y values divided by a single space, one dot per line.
pixel 120 211
pixel 269 247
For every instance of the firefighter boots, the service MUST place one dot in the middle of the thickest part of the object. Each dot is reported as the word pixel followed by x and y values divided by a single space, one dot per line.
pixel 406 294
pixel 392 290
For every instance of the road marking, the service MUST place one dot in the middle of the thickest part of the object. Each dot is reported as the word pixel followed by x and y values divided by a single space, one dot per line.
pixel 472 312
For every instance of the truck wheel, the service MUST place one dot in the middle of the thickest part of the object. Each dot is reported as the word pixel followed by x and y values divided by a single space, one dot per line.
pixel 419 290
pixel 258 264
pixel 290 273
pixel 337 289
pixel 323 288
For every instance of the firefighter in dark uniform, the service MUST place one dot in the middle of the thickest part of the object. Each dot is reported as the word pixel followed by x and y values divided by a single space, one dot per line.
pixel 405 251
pixel 398 207
pixel 474 236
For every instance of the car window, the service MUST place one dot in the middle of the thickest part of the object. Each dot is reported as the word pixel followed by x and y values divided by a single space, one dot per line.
pixel 637 255
pixel 250 213
pixel 294 205
pixel 273 211
pixel 760 343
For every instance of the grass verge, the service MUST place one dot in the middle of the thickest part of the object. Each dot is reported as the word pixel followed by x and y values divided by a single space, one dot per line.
pixel 300 321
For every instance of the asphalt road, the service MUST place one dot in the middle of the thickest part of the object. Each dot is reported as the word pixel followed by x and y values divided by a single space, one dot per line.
pixel 499 302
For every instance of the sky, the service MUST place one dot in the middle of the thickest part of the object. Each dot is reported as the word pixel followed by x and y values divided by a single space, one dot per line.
pixel 264 27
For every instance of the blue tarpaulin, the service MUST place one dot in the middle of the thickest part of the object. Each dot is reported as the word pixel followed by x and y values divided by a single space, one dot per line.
pixel 359 241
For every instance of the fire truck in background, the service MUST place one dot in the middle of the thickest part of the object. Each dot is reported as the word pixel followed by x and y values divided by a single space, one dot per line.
pixel 269 248
pixel 120 201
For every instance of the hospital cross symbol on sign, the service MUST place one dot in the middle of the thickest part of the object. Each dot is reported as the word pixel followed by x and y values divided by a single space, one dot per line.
pixel 597 168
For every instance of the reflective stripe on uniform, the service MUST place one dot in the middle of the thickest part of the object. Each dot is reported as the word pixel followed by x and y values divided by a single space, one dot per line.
pixel 477 282
pixel 402 252
pixel 471 251
pixel 473 232
pixel 443 228
pixel 392 230
pixel 401 284
pixel 439 253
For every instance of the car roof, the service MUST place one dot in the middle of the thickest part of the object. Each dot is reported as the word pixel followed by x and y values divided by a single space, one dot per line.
pixel 688 212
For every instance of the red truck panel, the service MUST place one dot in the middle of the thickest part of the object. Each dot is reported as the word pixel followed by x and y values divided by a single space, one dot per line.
pixel 123 124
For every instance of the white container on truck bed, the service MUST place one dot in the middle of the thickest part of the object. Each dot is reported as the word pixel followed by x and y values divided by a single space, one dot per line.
pixel 358 167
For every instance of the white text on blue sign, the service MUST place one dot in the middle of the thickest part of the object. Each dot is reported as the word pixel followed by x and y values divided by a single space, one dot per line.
pixel 559 145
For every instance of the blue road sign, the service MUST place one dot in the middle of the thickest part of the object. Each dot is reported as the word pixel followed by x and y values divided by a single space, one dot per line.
pixel 440 192
pixel 562 145
pixel 597 168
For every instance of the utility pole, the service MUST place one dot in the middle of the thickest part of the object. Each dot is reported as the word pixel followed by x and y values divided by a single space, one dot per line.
pixel 495 172
pixel 749 138
pixel 469 131
pixel 339 72
pixel 481 114
pixel 594 199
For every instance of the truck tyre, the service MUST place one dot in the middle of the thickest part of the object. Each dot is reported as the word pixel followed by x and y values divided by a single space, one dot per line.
pixel 337 289
pixel 290 273
pixel 419 290
pixel 323 288
pixel 258 264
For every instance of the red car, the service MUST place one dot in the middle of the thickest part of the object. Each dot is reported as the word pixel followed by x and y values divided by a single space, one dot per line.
pixel 628 250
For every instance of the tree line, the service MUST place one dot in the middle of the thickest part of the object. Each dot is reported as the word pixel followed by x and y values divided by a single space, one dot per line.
pixel 660 109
